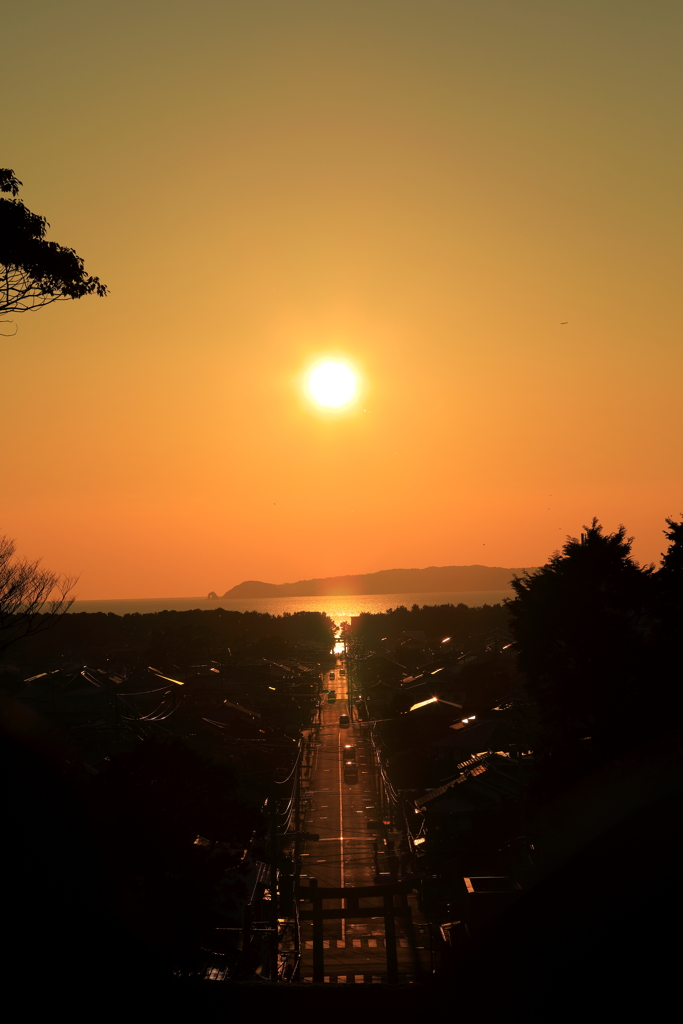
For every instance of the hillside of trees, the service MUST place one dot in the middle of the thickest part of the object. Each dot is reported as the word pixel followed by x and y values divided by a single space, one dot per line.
pixel 131 641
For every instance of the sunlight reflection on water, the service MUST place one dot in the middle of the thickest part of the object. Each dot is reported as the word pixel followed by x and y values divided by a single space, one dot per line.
pixel 338 608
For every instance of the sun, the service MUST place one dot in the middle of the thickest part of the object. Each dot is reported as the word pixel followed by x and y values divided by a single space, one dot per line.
pixel 332 384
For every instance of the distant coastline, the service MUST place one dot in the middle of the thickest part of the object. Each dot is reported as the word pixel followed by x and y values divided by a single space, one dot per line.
pixel 434 579
pixel 338 608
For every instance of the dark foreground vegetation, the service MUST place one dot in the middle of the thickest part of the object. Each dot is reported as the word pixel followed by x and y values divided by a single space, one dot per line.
pixel 130 642
pixel 149 768
pixel 534 767
pixel 530 754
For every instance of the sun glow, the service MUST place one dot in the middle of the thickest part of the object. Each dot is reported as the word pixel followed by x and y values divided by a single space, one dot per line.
pixel 332 384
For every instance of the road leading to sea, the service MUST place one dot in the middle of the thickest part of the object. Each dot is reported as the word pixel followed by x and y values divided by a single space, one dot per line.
pixel 339 812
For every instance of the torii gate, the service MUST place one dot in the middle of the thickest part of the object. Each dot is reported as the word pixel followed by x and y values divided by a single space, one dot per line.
pixel 351 897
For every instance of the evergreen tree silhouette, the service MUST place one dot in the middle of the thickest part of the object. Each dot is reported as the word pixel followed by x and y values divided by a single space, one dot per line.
pixel 583 625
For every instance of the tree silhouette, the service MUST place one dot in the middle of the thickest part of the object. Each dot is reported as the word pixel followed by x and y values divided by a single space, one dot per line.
pixel 672 561
pixel 669 608
pixel 31 598
pixel 583 625
pixel 33 271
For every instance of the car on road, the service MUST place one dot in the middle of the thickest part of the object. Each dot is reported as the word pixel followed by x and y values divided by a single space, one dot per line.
pixel 331 677
pixel 350 771
pixel 342 672
pixel 344 720
pixel 349 752
pixel 331 696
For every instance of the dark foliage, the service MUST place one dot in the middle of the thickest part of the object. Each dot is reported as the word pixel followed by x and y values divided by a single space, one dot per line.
pixel 671 573
pixel 170 636
pixel 668 627
pixel 594 632
pixel 461 622
pixel 491 678
pixel 33 271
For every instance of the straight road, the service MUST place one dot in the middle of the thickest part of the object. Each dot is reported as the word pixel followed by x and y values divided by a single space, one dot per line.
pixel 339 810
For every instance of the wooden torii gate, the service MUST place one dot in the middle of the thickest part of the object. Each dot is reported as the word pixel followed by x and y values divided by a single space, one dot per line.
pixel 351 909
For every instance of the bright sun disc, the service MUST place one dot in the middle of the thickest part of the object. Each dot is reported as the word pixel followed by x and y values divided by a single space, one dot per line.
pixel 332 384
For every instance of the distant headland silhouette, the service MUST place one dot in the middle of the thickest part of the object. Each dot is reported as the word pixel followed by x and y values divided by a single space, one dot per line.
pixel 434 579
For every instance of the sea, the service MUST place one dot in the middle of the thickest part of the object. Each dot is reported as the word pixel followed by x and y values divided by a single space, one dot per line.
pixel 340 609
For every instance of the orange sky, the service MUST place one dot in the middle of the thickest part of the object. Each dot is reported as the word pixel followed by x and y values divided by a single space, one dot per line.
pixel 425 189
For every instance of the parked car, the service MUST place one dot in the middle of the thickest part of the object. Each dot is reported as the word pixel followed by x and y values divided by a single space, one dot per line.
pixel 344 720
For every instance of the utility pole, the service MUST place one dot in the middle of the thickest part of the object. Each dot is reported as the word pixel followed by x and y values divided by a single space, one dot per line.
pixel 297 858
pixel 348 691
pixel 297 803
pixel 274 936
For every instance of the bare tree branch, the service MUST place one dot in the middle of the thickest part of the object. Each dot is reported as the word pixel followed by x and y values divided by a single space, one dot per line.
pixel 31 598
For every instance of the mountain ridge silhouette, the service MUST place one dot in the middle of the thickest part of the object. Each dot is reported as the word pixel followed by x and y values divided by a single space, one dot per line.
pixel 433 579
